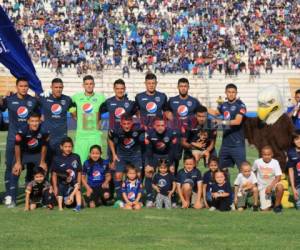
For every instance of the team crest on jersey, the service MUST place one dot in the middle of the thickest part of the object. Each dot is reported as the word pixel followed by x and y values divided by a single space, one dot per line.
pixel 74 164
pixel 22 112
pixel 157 99
pixel 233 108
pixel 226 115
pixel 63 102
pixel 32 143
pixel 119 112
pixel 56 109
pixel 189 103
pixel 182 110
pixel 166 139
pixel 162 183
pixel 126 104
pixel 87 108
pixel 94 100
pixel 29 103
pixel 151 107
pixel 135 134
pixel 39 136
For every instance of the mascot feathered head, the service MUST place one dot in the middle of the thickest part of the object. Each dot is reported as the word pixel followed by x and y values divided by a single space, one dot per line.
pixel 270 105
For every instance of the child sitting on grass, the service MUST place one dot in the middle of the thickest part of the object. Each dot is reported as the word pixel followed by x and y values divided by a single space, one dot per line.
pixel 96 178
pixel 208 180
pixel 189 183
pixel 245 186
pixel 164 185
pixel 221 192
pixel 132 189
pixel 268 174
pixel 39 191
pixel 66 176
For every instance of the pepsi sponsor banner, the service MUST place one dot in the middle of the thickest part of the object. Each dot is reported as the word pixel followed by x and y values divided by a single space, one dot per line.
pixel 14 56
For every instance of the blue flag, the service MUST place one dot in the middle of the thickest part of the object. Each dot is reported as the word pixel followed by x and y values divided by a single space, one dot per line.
pixel 13 54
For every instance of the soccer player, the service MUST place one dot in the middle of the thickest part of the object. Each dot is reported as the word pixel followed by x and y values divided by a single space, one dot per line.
pixel 161 143
pixel 233 149
pixel 19 105
pixel 181 108
pixel 88 118
pixel 118 105
pixel 66 176
pixel 151 102
pixel 30 150
pixel 125 144
pixel 191 136
pixel 55 110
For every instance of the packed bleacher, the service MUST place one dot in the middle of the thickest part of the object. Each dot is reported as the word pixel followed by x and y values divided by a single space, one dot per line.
pixel 164 36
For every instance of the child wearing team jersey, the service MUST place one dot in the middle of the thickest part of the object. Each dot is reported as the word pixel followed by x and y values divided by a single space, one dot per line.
pixel 132 189
pixel 96 178
pixel 293 166
pixel 268 173
pixel 39 191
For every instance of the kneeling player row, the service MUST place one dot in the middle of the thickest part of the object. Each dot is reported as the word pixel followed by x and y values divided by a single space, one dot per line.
pixel 213 191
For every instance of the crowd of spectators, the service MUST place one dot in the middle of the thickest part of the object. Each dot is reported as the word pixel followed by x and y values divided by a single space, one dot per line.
pixel 168 36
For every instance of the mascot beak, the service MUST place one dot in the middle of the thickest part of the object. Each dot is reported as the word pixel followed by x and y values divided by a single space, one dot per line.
pixel 263 112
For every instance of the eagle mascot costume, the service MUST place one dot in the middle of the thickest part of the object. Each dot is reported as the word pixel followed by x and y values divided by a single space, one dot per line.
pixel 271 127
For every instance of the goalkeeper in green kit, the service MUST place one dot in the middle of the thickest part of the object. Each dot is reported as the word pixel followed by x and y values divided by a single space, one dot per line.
pixel 88 118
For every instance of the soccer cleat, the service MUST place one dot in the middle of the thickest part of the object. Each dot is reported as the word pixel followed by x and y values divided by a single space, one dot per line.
pixel 7 200
pixel 174 205
pixel 232 207
pixel 212 209
pixel 149 204
pixel 277 209
pixel 12 205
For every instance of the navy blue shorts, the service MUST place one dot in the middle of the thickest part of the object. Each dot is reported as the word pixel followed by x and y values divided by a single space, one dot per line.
pixel 230 156
pixel 124 160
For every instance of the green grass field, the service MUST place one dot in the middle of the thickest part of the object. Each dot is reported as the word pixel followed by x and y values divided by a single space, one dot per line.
pixel 111 228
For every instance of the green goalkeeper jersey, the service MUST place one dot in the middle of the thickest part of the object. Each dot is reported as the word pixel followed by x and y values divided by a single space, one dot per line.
pixel 88 115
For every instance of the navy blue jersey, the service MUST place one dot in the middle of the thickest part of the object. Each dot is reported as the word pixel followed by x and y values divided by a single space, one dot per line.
pixel 66 168
pixel 294 162
pixel 116 108
pixel 208 180
pixel 55 111
pixel 31 142
pixel 192 133
pixel 95 172
pixel 160 144
pixel 132 189
pixel 164 182
pixel 233 136
pixel 127 143
pixel 150 106
pixel 181 108
pixel 18 111
pixel 225 188
pixel 193 177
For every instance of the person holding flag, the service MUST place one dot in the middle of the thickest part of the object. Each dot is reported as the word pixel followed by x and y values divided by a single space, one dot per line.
pixel 87 116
